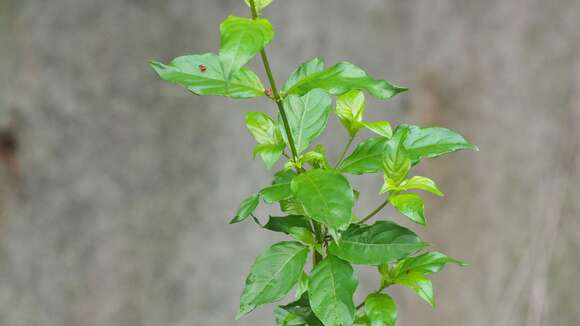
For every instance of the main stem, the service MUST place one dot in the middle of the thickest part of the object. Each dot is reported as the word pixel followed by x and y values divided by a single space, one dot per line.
pixel 280 103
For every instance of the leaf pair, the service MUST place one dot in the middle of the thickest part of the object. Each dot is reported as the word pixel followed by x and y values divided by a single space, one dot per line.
pixel 223 74
pixel 268 136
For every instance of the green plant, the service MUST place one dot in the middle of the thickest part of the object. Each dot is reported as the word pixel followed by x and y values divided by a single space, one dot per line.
pixel 314 195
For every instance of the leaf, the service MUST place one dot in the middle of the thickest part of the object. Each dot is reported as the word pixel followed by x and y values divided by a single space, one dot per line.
pixel 420 284
pixel 203 75
pixel 276 193
pixel 381 310
pixel 292 206
pixel 247 207
pixel 265 132
pixel 302 286
pixel 432 142
pixel 396 162
pixel 297 313
pixel 422 183
pixel 327 197
pixel 273 275
pixel 339 79
pixel 241 39
pixel 427 263
pixel 366 158
pixel 270 153
pixel 307 117
pixel 381 128
pixel 350 108
pixel 306 69
pixel 382 242
pixel 260 4
pixel 331 289
pixel 410 205
pixel 294 225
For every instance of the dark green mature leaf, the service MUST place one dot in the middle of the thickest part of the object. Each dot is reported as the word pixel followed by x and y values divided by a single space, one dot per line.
pixel 382 242
pixel 273 275
pixel 297 313
pixel 260 4
pixel 420 284
pixel 410 205
pixel 241 39
pixel 294 225
pixel 276 192
pixel 307 117
pixel 247 207
pixel 380 310
pixel 327 197
pixel 203 75
pixel 267 135
pixel 366 158
pixel 427 263
pixel 331 289
pixel 431 142
pixel 350 108
pixel 338 80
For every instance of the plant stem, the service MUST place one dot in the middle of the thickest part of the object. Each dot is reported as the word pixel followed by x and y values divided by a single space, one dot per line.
pixel 344 152
pixel 373 213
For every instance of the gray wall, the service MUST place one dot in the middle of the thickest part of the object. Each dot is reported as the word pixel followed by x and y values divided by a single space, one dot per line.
pixel 114 209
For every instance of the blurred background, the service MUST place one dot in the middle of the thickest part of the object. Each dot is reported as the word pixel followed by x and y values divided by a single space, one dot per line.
pixel 116 188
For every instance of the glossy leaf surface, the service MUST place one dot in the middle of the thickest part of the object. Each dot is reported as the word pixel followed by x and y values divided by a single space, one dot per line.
pixel 276 192
pixel 382 242
pixel 326 196
pixel 247 207
pixel 432 142
pixel 420 284
pixel 267 135
pixel 203 75
pixel 350 108
pixel 331 289
pixel 410 205
pixel 380 310
pixel 294 225
pixel 273 275
pixel 422 183
pixel 427 263
pixel 381 128
pixel 366 158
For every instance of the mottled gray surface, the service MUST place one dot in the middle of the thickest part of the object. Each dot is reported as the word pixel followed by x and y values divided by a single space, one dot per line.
pixel 115 210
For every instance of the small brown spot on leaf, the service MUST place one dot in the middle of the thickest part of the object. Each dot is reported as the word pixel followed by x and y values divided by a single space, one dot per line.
pixel 202 68
pixel 268 92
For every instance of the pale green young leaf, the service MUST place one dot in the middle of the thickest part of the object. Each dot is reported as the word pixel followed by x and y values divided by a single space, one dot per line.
pixel 203 75
pixel 350 108
pixel 420 284
pixel 241 39
pixel 340 79
pixel 331 288
pixel 262 127
pixel 316 158
pixel 382 242
pixel 381 128
pixel 307 117
pixel 396 164
pixel 422 183
pixel 326 196
pixel 410 205
pixel 306 69
pixel 247 207
pixel 297 313
pixel 276 192
pixel 292 206
pixel 270 153
pixel 273 275
pixel 296 226
pixel 260 4
pixel 432 142
pixel 380 310
pixel 427 263
pixel 366 158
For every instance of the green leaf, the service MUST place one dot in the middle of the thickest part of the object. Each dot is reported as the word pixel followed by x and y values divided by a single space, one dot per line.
pixel 297 313
pixel 420 284
pixel 241 39
pixel 294 225
pixel 260 4
pixel 292 206
pixel 307 117
pixel 270 153
pixel 381 128
pixel 265 132
pixel 432 142
pixel 273 275
pixel 427 263
pixel 396 163
pixel 382 242
pixel 411 206
pixel 350 108
pixel 304 70
pixel 366 158
pixel 316 158
pixel 276 193
pixel 331 289
pixel 422 183
pixel 203 75
pixel 247 207
pixel 327 197
pixel 381 310
pixel 302 286
pixel 339 79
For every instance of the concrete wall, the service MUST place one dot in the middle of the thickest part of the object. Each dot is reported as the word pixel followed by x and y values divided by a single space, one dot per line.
pixel 114 206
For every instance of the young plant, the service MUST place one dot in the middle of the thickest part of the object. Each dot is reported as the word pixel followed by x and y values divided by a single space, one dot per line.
pixel 315 197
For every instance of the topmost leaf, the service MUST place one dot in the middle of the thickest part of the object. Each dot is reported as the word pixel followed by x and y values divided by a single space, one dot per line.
pixel 260 4
pixel 241 39
pixel 337 80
